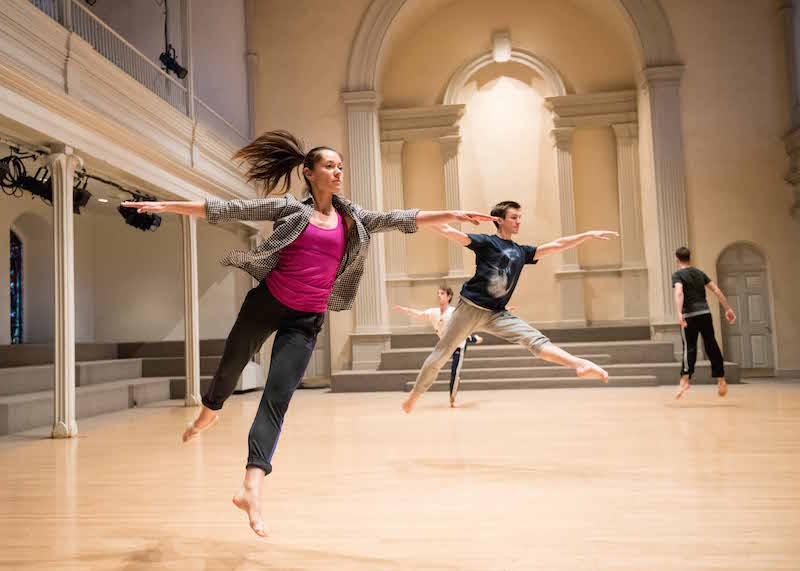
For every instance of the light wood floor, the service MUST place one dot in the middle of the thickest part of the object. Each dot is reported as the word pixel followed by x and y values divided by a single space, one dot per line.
pixel 622 479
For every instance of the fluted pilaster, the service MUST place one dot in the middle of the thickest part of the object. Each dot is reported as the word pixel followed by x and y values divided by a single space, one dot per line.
pixel 449 147
pixel 63 164
pixel 664 186
pixel 392 168
pixel 191 310
pixel 630 201
pixel 562 138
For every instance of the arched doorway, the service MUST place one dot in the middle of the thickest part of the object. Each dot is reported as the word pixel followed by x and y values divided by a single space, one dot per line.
pixel 743 278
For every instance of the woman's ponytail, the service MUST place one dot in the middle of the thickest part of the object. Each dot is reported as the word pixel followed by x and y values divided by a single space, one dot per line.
pixel 272 157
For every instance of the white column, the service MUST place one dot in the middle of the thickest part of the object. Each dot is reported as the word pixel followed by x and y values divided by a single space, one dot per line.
pixel 571 286
pixel 252 68
pixel 191 310
pixel 449 147
pixel 392 168
pixel 634 276
pixel 63 164
pixel 664 188
pixel 371 316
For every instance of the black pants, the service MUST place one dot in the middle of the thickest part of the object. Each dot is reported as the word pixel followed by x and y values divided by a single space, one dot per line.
pixel 260 316
pixel 702 325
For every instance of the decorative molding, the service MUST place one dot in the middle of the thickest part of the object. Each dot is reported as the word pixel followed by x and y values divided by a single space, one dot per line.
pixel 618 271
pixel 392 172
pixel 669 75
pixel 420 123
pixel 553 80
pixel 647 20
pixel 426 280
pixel 594 109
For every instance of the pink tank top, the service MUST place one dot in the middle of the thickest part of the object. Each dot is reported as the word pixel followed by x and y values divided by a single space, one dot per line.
pixel 306 270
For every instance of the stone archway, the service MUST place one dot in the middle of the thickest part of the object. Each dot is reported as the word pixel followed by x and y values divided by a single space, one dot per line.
pixel 645 18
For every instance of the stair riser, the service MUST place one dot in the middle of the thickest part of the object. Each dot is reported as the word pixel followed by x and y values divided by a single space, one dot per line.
pixel 23 380
pixel 656 353
pixel 167 367
pixel 543 384
pixel 591 334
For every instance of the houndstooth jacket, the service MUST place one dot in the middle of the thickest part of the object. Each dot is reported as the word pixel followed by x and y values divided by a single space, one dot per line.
pixel 291 216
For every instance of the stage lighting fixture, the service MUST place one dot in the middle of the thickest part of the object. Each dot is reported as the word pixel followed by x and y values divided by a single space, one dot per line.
pixel 39 185
pixel 80 196
pixel 169 63
pixel 143 221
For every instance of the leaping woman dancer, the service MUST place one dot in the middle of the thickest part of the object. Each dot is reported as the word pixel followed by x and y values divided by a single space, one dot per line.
pixel 313 261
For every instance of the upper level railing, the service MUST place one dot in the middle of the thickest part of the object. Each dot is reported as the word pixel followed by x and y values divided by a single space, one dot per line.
pixel 108 43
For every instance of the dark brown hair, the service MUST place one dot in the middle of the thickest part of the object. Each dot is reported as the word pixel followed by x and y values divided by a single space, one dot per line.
pixel 447 290
pixel 501 208
pixel 683 254
pixel 274 156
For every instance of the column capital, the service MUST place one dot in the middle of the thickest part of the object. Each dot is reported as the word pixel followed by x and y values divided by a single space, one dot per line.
pixel 449 145
pixel 362 100
pixel 64 152
pixel 562 137
pixel 392 149
pixel 626 131
pixel 661 76
pixel 784 5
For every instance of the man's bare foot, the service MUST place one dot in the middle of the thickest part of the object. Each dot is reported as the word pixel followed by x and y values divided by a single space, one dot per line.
pixel 206 419
pixel 683 388
pixel 248 501
pixel 592 371
pixel 722 387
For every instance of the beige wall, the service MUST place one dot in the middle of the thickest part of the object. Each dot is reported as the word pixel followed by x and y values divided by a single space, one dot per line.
pixel 734 113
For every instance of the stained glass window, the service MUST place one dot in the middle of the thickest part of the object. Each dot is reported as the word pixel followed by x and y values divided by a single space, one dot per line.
pixel 16 289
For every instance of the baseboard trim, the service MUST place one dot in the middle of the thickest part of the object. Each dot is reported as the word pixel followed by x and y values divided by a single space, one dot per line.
pixel 788 374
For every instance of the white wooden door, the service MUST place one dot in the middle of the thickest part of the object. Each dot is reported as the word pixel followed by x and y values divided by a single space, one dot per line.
pixel 743 279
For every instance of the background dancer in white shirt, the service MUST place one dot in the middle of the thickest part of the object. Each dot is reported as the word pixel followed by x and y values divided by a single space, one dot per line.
pixel 438 318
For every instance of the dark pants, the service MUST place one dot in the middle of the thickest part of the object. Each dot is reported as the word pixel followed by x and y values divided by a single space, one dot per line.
pixel 700 325
pixel 260 316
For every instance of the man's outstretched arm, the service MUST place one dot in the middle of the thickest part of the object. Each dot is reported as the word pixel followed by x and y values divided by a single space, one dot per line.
pixel 567 242
pixel 450 233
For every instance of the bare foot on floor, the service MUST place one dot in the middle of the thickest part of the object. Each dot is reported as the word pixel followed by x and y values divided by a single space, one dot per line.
pixel 682 388
pixel 248 501
pixel 407 406
pixel 452 403
pixel 722 387
pixel 591 371
pixel 206 419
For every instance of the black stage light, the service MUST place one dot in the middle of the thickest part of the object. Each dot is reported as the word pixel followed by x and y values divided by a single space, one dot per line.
pixel 144 221
pixel 169 63
pixel 80 196
pixel 39 185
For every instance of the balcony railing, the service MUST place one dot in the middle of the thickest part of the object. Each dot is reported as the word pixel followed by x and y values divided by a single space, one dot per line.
pixel 73 15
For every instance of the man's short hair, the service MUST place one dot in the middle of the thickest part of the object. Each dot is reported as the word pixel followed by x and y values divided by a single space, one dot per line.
pixel 501 208
pixel 683 254
pixel 447 290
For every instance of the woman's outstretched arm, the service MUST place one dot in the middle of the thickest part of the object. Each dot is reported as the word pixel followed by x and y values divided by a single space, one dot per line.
pixel 216 210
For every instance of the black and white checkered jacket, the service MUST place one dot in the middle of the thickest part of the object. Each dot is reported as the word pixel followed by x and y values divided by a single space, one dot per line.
pixel 291 217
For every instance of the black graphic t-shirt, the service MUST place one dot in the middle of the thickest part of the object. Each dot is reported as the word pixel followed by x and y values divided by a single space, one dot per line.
pixel 694 290
pixel 498 264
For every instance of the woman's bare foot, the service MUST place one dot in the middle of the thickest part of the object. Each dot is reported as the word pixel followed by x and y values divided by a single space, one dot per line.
pixel 452 402
pixel 249 500
pixel 407 406
pixel 206 419
pixel 590 370
pixel 683 387
pixel 722 387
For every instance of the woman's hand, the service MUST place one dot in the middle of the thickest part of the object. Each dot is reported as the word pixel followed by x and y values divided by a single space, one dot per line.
pixel 472 217
pixel 149 207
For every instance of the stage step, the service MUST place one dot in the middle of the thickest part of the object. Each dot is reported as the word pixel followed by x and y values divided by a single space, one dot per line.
pixel 544 383
pixel 169 366
pixel 25 411
pixel 208 347
pixel 556 335
pixel 619 352
pixel 31 379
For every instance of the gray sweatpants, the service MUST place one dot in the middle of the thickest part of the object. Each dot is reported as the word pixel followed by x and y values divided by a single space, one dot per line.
pixel 468 318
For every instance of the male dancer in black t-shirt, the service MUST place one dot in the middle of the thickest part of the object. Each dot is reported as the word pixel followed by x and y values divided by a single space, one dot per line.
pixel 695 317
pixel 482 307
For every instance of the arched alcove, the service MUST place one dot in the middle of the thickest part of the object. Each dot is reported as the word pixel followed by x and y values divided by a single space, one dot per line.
pixel 36 233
